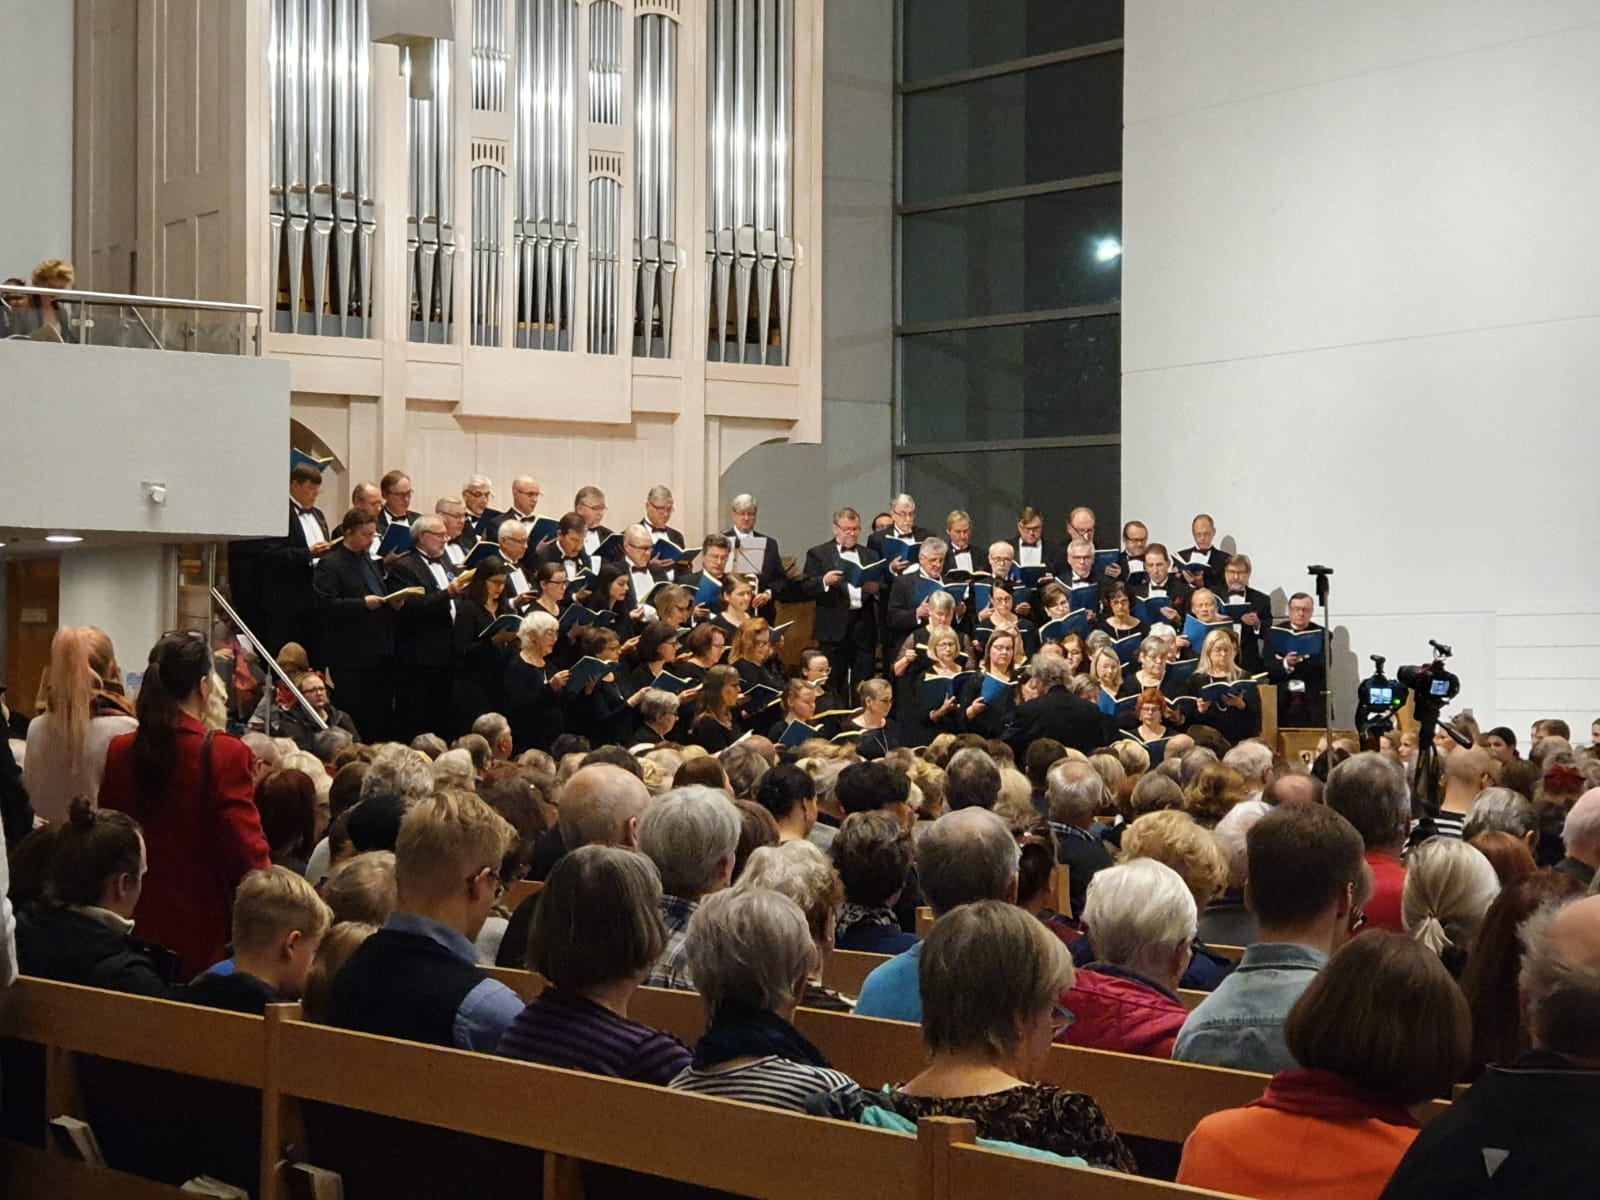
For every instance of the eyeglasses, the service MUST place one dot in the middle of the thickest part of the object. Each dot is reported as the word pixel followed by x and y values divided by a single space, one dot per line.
pixel 1061 1020
pixel 1358 920
pixel 499 887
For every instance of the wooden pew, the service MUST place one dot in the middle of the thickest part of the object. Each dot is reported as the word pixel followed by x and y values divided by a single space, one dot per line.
pixel 846 970
pixel 1231 953
pixel 520 891
pixel 924 920
pixel 1191 998
pixel 515 1103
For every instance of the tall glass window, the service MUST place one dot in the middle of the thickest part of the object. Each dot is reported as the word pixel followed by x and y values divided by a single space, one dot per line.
pixel 1009 281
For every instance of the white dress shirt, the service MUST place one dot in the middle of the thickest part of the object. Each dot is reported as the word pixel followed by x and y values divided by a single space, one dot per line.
pixel 853 556
pixel 309 527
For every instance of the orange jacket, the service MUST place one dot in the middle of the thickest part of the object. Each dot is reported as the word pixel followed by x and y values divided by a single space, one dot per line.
pixel 1276 1155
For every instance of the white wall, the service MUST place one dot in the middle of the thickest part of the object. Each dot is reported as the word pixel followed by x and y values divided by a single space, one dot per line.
pixel 1361 319
pixel 86 425
pixel 799 486
pixel 129 592
pixel 36 135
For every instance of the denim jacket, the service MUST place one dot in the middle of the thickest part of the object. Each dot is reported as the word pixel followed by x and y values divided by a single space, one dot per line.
pixel 1240 1025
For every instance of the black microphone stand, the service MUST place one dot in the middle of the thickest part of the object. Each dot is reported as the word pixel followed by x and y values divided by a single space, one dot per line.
pixel 1322 575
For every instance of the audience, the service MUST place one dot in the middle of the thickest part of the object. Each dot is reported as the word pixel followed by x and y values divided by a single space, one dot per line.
pixel 1074 793
pixel 1142 917
pixel 417 977
pixel 991 980
pixel 279 922
pixel 1525 1128
pixel 192 793
pixel 1580 838
pixel 692 836
pixel 1172 838
pixel 803 873
pixel 1382 1028
pixel 967 856
pixel 1370 791
pixel 84 708
pixel 362 889
pixel 873 854
pixel 1449 886
pixel 790 795
pixel 1307 883
pixel 750 953
pixel 597 933
pixel 82 930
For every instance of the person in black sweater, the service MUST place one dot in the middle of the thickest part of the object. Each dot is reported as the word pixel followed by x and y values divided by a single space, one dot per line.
pixel 279 922
pixel 82 930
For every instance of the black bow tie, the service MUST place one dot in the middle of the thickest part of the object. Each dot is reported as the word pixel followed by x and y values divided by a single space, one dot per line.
pixel 435 561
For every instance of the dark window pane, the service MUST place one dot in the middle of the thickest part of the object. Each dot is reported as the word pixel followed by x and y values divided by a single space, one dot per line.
pixel 1012 256
pixel 1031 127
pixel 1046 380
pixel 993 486
pixel 945 36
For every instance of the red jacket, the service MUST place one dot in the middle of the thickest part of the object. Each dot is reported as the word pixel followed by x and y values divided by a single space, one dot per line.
pixel 199 841
pixel 1119 1010
pixel 1388 886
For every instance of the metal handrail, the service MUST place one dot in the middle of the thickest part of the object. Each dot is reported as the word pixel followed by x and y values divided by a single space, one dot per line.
pixel 271 665
pixel 17 289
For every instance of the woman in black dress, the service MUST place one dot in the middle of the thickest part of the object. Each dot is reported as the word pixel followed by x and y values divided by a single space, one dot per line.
pixel 480 661
pixel 1002 658
pixel 716 725
pixel 533 686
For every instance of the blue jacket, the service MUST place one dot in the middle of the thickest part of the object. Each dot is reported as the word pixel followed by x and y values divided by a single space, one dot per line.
pixel 1240 1025
pixel 891 991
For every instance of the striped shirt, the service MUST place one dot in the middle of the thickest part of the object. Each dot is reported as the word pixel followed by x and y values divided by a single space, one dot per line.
pixel 561 1030
pixel 772 1081
pixel 1448 824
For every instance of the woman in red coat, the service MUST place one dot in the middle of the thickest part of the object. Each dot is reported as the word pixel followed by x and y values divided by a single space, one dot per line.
pixel 193 794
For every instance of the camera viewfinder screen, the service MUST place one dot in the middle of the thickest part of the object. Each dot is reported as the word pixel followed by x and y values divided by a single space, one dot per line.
pixel 1382 696
pixel 1439 687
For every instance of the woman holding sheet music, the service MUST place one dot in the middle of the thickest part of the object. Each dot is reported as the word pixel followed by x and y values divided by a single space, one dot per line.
pixel 533 686
pixel 869 728
pixel 480 660
pixel 925 721
pixel 1120 620
pixel 1234 713
pixel 1002 615
pixel 1002 655
pixel 715 725
pixel 754 656
pixel 1106 668
pixel 613 594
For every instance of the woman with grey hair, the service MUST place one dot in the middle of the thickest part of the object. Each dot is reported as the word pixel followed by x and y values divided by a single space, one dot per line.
pixel 1500 808
pixel 1142 917
pixel 799 870
pixel 533 687
pixel 873 853
pixel 1449 886
pixel 750 953
pixel 992 979
pixel 595 935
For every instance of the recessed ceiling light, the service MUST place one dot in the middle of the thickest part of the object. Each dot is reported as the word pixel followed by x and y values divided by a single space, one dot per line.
pixel 63 539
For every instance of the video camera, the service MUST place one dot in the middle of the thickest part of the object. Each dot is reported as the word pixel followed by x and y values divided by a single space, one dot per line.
pixel 1378 698
pixel 1432 685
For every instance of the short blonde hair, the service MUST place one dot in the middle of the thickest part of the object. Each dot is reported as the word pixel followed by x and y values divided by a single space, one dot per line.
pixel 988 967
pixel 801 871
pixel 362 888
pixel 1135 759
pixel 274 903
pixel 1171 836
pixel 55 268
pixel 342 941
pixel 447 838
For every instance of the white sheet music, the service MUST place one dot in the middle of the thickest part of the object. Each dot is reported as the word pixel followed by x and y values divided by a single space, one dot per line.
pixel 747 555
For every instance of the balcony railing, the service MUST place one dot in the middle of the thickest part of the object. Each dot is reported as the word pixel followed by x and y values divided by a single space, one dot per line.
pixel 132 322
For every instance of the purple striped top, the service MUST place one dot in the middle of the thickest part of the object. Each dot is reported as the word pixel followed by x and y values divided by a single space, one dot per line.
pixel 559 1030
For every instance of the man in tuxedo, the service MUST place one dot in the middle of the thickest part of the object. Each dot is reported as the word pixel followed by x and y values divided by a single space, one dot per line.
pixel 715 552
pixel 1163 583
pixel 368 498
pixel 525 493
pixel 958 533
pixel 459 540
pixel 568 548
pixel 1049 710
pixel 1029 550
pixel 355 626
pixel 844 626
pixel 902 525
pixel 1076 569
pixel 638 546
pixel 658 508
pixel 1203 563
pixel 1081 525
pixel 905 613
pixel 476 493
pixel 590 504
pixel 271 577
pixel 1302 680
pixel 424 633
pixel 1254 624
pixel 1129 567
pixel 770 579
pixel 518 592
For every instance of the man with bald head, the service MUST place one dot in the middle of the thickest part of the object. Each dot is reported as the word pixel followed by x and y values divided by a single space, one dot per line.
pixel 1580 838
pixel 1466 773
pixel 524 508
pixel 1526 1128
pixel 601 804
pixel 967 855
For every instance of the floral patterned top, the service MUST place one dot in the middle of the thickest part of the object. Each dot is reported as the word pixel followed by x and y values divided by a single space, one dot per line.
pixel 1034 1114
